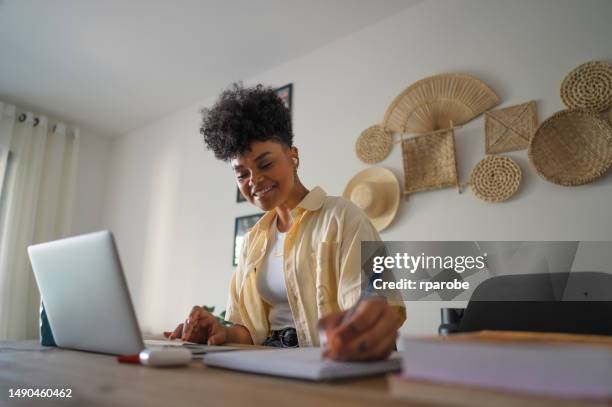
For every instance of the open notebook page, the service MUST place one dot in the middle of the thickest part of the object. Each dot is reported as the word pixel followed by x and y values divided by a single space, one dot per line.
pixel 299 363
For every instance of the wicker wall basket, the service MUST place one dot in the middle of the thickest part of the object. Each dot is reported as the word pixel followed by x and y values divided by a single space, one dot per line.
pixel 495 178
pixel 373 145
pixel 588 87
pixel 429 162
pixel 510 128
pixel 434 102
pixel 572 147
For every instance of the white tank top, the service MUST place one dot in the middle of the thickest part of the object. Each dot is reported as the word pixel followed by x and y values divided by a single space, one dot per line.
pixel 271 283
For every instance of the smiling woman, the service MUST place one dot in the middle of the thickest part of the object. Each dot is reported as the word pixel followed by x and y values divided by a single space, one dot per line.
pixel 299 268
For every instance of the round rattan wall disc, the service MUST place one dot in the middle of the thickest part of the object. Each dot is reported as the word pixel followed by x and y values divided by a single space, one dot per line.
pixel 495 178
pixel 572 147
pixel 373 145
pixel 588 87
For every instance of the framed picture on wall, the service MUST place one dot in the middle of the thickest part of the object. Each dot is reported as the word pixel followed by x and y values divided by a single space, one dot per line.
pixel 285 94
pixel 239 197
pixel 241 225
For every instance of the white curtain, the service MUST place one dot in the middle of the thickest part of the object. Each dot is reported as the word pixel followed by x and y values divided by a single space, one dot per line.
pixel 35 206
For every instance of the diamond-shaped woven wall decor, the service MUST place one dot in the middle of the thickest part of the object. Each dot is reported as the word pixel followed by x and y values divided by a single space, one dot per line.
pixel 510 128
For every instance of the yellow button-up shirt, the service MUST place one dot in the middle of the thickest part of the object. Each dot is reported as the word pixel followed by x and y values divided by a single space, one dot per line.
pixel 321 265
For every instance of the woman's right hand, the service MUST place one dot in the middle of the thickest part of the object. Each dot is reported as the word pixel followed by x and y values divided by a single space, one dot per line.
pixel 200 327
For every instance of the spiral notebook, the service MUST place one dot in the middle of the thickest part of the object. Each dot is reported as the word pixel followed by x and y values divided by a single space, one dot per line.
pixel 299 363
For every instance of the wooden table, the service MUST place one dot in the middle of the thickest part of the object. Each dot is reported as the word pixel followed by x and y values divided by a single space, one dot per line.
pixel 99 380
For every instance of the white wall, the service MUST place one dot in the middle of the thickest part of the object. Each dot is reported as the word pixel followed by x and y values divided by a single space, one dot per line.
pixel 172 205
pixel 91 181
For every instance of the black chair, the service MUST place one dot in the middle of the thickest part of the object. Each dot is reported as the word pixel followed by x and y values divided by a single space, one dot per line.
pixel 572 302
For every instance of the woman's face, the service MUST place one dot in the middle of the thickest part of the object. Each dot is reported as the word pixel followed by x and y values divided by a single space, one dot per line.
pixel 265 173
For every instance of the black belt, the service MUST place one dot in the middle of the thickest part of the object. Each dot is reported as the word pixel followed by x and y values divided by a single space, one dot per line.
pixel 285 338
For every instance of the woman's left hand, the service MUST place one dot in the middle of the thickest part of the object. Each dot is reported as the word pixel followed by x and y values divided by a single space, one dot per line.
pixel 369 334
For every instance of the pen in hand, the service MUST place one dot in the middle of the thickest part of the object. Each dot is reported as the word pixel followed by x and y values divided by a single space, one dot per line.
pixel 331 325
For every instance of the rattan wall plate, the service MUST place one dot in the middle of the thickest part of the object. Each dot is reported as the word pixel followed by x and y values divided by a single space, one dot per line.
pixel 434 102
pixel 588 87
pixel 373 145
pixel 429 162
pixel 495 178
pixel 510 128
pixel 572 147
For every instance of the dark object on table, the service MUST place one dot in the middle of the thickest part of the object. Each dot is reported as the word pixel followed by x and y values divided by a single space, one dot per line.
pixel 571 302
pixel 450 320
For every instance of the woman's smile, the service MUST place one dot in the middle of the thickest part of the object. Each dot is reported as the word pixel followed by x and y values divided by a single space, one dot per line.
pixel 264 192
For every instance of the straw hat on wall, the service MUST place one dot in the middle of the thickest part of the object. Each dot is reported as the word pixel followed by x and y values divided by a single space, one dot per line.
pixel 377 192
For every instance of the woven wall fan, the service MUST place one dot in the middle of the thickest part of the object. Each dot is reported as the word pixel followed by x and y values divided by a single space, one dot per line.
pixel 434 102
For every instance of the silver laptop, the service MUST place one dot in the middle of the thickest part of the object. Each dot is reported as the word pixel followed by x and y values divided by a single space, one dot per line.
pixel 86 297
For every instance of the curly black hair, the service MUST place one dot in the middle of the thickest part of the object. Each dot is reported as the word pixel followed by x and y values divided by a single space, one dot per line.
pixel 244 115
